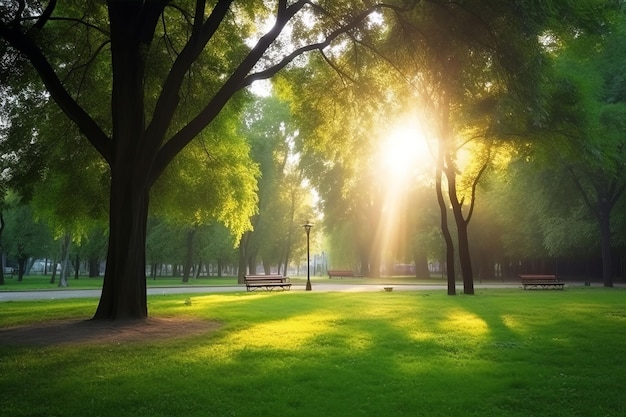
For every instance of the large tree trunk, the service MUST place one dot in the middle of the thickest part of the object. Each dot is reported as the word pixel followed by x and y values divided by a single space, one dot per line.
pixel 124 288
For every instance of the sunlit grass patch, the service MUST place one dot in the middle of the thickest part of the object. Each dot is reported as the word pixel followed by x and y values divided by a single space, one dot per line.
pixel 514 323
pixel 466 322
pixel 287 334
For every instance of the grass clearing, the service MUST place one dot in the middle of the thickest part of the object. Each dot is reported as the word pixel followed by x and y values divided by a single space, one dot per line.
pixel 502 352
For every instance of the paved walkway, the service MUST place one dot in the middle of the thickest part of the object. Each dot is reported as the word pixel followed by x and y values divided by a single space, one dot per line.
pixel 70 293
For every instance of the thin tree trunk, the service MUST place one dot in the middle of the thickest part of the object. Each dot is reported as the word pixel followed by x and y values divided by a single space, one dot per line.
pixel 445 230
pixel 421 265
pixel 94 267
pixel 219 268
pixel 65 260
pixel 76 267
pixel 53 265
pixel 605 236
pixel 243 257
pixel 189 254
pixel 461 226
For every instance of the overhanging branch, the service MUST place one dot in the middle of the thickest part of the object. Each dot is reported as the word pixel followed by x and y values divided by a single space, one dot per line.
pixel 25 45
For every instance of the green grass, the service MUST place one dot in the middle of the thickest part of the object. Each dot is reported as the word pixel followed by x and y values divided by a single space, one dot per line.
pixel 502 352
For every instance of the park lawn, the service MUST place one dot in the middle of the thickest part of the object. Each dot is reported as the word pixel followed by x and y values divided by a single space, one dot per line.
pixel 502 352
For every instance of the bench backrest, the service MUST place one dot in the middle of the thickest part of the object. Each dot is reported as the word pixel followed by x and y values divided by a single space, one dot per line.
pixel 538 277
pixel 264 278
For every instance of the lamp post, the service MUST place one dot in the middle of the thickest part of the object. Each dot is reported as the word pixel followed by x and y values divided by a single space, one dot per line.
pixel 307 228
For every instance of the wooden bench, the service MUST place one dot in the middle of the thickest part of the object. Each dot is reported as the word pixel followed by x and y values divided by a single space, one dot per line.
pixel 8 271
pixel 541 281
pixel 266 282
pixel 341 273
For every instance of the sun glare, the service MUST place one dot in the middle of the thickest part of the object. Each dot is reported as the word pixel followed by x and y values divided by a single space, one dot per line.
pixel 405 152
pixel 405 161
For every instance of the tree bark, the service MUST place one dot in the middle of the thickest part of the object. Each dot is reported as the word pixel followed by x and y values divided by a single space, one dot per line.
pixel 242 264
pixel 189 254
pixel 124 288
pixel 445 230
pixel 462 236
pixel 76 267
pixel 65 260
pixel 94 267
pixel 421 265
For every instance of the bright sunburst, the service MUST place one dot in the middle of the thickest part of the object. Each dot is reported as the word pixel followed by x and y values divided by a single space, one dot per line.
pixel 405 160
pixel 405 152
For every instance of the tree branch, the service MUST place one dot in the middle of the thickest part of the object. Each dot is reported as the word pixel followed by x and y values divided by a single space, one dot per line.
pixel 82 22
pixel 228 89
pixel 473 193
pixel 45 16
pixel 241 77
pixel 169 98
pixel 25 45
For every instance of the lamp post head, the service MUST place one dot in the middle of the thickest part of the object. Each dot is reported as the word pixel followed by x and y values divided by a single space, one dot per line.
pixel 307 227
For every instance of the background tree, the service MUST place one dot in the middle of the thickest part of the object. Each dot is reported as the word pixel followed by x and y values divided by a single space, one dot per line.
pixel 25 237
pixel 271 132
pixel 339 101
pixel 586 129
pixel 468 66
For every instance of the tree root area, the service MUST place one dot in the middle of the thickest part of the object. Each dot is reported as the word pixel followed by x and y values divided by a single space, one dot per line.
pixel 98 332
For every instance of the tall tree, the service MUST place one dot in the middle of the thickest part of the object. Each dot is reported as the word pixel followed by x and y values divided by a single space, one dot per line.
pixel 470 66
pixel 152 50
pixel 271 132
pixel 25 237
